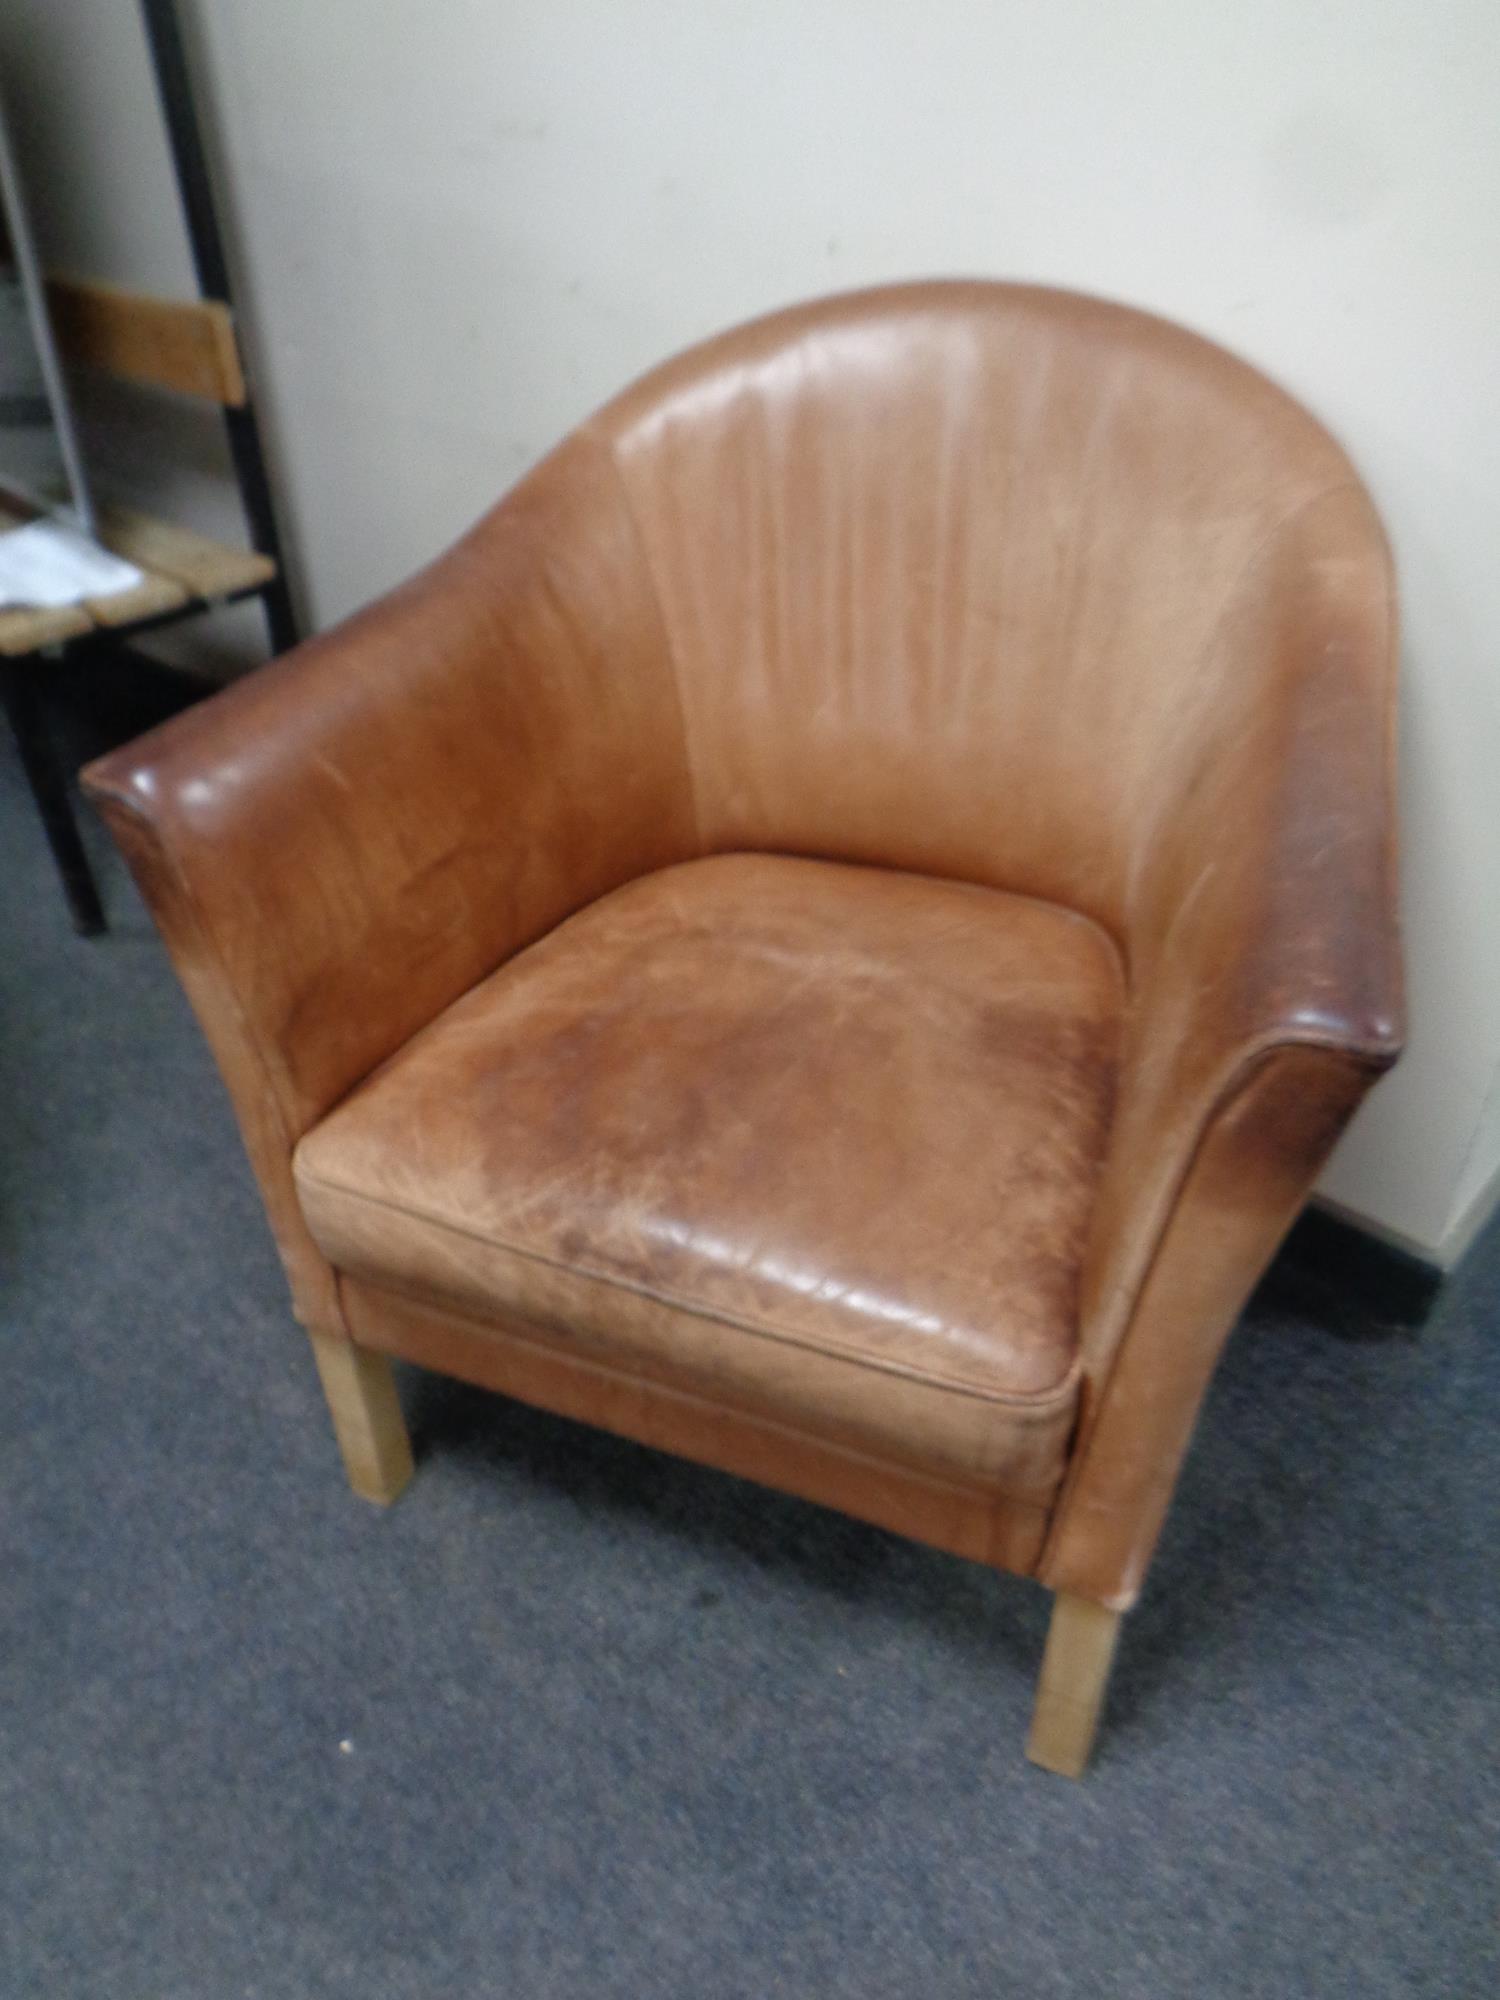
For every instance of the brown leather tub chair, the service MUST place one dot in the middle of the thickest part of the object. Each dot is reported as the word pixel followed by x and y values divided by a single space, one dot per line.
pixel 833 932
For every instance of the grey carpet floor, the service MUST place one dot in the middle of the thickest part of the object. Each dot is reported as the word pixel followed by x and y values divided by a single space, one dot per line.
pixel 573 1719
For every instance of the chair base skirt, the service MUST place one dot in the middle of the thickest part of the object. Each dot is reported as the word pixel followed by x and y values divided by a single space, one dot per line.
pixel 1004 1532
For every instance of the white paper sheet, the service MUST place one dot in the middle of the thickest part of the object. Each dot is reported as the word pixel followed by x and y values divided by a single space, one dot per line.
pixel 44 565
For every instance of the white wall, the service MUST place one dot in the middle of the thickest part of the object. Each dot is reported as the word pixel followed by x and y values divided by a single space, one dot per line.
pixel 462 224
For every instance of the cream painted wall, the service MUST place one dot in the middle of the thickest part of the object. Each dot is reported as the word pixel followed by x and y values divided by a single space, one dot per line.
pixel 462 224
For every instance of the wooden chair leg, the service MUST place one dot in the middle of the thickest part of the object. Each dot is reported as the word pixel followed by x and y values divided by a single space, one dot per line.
pixel 1070 1693
pixel 367 1419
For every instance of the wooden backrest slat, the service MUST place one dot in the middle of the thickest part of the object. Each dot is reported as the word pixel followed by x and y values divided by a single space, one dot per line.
pixel 185 345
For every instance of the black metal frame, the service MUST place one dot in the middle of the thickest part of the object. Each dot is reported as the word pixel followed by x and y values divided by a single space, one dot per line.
pixel 195 186
pixel 21 692
pixel 48 777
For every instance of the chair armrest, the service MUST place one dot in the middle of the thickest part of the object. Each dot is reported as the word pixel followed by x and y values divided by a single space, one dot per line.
pixel 341 844
pixel 1265 974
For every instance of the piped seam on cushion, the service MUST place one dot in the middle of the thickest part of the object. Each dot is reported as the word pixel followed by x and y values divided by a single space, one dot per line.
pixel 521 1332
pixel 1041 1402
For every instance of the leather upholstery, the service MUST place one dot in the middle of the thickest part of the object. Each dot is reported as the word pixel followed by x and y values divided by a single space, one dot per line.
pixel 338 846
pixel 985 584
pixel 819 1141
pixel 497 1352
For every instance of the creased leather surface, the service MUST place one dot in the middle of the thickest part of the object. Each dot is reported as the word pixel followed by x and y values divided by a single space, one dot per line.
pixel 853 1117
pixel 970 551
pixel 980 582
pixel 338 846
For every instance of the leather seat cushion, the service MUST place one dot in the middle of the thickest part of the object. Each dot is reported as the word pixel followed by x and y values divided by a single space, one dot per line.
pixel 815 1140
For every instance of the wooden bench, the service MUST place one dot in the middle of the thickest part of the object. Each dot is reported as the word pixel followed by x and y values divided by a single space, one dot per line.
pixel 184 572
pixel 189 348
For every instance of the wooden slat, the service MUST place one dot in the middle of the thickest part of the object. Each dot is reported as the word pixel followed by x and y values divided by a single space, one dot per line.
pixel 203 567
pixel 183 344
pixel 23 628
pixel 180 568
pixel 25 631
pixel 149 599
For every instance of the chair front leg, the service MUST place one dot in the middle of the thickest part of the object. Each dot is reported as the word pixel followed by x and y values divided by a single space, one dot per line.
pixel 367 1420
pixel 1081 1642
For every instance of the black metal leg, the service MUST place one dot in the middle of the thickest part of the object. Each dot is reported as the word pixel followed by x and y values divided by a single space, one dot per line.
pixel 49 787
